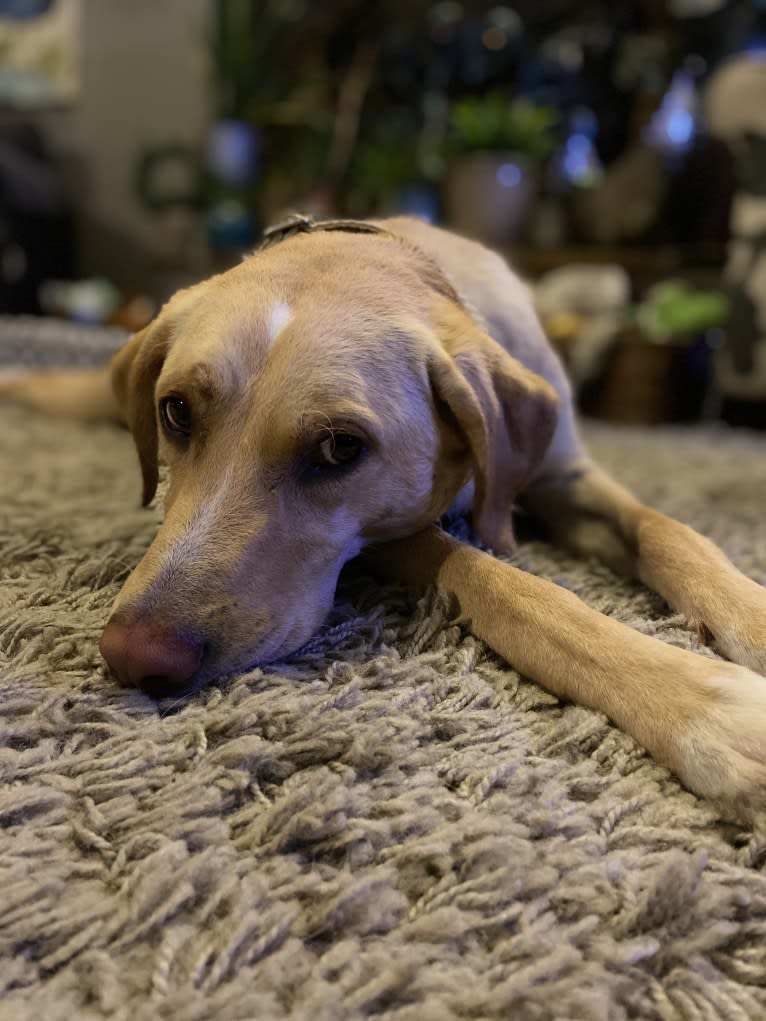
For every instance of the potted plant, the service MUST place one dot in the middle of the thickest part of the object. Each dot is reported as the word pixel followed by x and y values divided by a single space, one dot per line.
pixel 495 148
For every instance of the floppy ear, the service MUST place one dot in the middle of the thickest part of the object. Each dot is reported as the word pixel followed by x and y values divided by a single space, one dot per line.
pixel 506 413
pixel 135 369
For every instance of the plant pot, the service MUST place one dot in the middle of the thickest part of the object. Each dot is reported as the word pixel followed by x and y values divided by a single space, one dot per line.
pixel 489 195
pixel 645 383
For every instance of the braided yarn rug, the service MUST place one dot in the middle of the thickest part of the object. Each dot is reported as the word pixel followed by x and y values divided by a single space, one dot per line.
pixel 392 824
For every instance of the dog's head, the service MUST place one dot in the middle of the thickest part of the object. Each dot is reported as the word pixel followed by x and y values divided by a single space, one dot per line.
pixel 327 393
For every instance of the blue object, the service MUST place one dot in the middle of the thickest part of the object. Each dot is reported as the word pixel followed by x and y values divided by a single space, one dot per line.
pixel 233 153
pixel 509 175
pixel 419 200
pixel 23 9
pixel 231 225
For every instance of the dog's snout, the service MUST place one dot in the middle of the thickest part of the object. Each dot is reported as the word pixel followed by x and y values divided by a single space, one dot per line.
pixel 150 656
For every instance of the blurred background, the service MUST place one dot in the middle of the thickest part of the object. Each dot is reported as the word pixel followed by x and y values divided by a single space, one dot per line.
pixel 615 151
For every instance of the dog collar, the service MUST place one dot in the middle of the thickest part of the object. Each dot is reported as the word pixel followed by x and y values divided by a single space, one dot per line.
pixel 300 223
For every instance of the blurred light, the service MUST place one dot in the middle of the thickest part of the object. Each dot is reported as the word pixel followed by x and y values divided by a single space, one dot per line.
pixel 494 38
pixel 579 145
pixel 570 55
pixel 564 52
pixel 233 149
pixel 680 127
pixel 448 12
pixel 508 175
pixel 507 19
pixel 674 124
pixel 445 18
pixel 580 164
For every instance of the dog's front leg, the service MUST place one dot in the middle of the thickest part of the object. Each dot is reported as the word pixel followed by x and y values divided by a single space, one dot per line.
pixel 592 514
pixel 703 718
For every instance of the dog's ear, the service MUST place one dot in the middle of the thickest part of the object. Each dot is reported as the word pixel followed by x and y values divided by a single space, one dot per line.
pixel 135 369
pixel 506 414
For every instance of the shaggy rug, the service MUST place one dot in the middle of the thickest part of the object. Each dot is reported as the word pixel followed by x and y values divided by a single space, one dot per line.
pixel 392 824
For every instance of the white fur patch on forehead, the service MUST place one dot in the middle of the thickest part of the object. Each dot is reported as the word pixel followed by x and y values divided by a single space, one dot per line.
pixel 279 316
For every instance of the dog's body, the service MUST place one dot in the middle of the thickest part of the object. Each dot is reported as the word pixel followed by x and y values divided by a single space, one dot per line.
pixel 336 392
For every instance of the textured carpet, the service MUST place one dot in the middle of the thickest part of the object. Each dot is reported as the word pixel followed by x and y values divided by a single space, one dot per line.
pixel 392 824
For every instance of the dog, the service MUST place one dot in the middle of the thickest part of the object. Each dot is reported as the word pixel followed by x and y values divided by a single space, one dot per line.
pixel 333 395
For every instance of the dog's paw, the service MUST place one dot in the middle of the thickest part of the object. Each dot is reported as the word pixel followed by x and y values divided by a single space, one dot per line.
pixel 742 638
pixel 723 748
pixel 746 645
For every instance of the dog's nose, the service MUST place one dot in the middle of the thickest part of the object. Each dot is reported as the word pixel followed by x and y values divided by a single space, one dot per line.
pixel 144 654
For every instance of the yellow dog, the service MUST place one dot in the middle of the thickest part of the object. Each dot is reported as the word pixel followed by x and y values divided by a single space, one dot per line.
pixel 338 391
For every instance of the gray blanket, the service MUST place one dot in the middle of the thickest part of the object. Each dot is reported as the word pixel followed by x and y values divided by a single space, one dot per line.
pixel 392 824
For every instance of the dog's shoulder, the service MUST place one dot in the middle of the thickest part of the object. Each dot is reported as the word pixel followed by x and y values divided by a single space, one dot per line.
pixel 486 282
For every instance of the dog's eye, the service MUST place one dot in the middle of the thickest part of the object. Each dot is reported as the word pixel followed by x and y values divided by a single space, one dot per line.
pixel 175 415
pixel 341 450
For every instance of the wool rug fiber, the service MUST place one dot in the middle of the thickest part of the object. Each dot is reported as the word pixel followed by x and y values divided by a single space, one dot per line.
pixel 392 824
